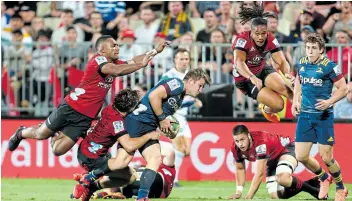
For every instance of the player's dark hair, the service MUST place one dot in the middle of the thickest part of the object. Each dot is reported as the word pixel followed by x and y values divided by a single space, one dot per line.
pixel 101 40
pixel 315 38
pixel 197 74
pixel 256 13
pixel 239 129
pixel 181 50
pixel 126 100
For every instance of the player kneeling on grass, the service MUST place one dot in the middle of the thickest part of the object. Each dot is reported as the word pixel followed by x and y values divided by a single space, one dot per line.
pixel 277 154
pixel 161 187
pixel 93 151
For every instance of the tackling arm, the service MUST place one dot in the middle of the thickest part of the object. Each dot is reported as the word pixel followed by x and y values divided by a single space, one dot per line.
pixel 132 144
pixel 257 179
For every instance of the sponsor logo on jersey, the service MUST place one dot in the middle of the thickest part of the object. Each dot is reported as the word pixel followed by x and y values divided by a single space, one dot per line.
pixel 100 60
pixel 94 147
pixel 311 80
pixel 256 60
pixel 337 70
pixel 173 84
pixel 301 69
pixel 118 126
pixel 241 43
pixel 261 149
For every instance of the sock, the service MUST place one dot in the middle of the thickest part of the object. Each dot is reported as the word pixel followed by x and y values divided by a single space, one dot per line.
pixel 297 186
pixel 96 186
pixel 147 179
pixel 338 180
pixel 321 174
pixel 99 172
pixel 178 162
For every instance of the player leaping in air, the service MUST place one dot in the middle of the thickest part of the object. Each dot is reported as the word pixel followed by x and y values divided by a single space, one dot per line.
pixel 76 112
pixel 252 77
pixel 316 76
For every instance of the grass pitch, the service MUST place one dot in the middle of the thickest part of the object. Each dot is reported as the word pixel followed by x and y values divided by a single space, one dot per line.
pixel 60 190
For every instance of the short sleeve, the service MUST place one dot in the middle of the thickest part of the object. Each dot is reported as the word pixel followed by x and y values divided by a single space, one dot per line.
pixel 173 87
pixel 261 151
pixel 273 45
pixel 241 44
pixel 335 73
pixel 118 128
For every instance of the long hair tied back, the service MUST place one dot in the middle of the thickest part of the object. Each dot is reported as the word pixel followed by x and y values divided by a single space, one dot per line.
pixel 257 13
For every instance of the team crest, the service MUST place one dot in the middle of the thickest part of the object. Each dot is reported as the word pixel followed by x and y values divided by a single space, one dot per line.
pixel 100 60
pixel 337 70
pixel 261 149
pixel 118 126
pixel 173 84
pixel 276 43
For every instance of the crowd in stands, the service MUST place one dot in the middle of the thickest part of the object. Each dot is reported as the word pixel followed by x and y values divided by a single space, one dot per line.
pixel 52 40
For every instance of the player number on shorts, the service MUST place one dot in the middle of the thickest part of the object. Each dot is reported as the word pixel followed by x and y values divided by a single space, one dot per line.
pixel 166 172
pixel 140 108
pixel 78 91
pixel 284 141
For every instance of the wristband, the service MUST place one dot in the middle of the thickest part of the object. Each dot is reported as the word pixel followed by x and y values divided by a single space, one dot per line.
pixel 239 189
pixel 162 117
pixel 250 76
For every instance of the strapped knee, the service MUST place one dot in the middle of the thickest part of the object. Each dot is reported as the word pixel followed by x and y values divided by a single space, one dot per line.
pixel 272 185
pixel 285 167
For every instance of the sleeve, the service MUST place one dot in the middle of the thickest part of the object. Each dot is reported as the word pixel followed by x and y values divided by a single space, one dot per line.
pixel 236 156
pixel 100 61
pixel 261 151
pixel 174 87
pixel 273 45
pixel 241 44
pixel 335 72
pixel 119 128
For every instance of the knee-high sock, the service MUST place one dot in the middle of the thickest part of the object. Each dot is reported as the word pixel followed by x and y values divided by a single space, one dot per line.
pixel 178 162
pixel 147 179
pixel 335 172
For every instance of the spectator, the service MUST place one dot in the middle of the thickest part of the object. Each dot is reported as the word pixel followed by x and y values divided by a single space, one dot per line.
pixel 88 9
pixel 5 17
pixel 343 108
pixel 42 61
pixel 76 6
pixel 37 25
pixel 211 23
pixel 215 56
pixel 16 60
pixel 16 23
pixel 59 35
pixel 226 22
pixel 239 28
pixel 340 21
pixel 273 23
pixel 198 8
pixel 146 32
pixel 95 27
pixel 342 38
pixel 300 50
pixel 318 19
pixel 27 11
pixel 305 18
pixel 176 22
pixel 110 9
pixel 122 26
pixel 72 55
pixel 129 49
